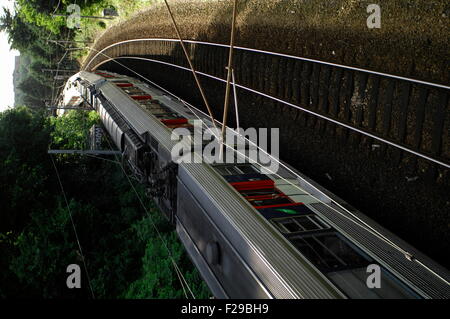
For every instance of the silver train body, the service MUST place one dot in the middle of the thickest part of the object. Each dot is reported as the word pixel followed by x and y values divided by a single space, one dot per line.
pixel 254 235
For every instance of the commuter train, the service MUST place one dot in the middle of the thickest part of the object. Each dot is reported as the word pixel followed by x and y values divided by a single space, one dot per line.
pixel 250 232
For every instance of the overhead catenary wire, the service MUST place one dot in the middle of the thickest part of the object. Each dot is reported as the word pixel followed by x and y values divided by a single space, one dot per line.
pixel 102 158
pixel 56 96
pixel 347 67
pixel 183 282
pixel 396 145
pixel 354 219
pixel 74 228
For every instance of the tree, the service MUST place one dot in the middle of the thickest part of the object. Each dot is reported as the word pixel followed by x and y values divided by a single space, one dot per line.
pixel 20 35
pixel 45 249
pixel 24 139
pixel 124 255
pixel 35 91
pixel 72 129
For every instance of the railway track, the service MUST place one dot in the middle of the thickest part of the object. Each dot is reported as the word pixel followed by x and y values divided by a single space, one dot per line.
pixel 408 114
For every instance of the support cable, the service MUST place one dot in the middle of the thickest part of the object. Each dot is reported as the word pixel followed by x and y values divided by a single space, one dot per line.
pixel 194 73
pixel 403 148
pixel 74 228
pixel 229 72
pixel 177 269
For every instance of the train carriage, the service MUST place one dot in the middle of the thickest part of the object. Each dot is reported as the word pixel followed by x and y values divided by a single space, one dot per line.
pixel 253 233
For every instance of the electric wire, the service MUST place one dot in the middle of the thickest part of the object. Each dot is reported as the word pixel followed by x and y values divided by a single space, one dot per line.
pixel 73 225
pixel 177 269
pixel 406 149
pixel 270 53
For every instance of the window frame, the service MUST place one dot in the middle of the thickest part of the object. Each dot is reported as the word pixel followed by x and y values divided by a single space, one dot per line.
pixel 285 231
pixel 326 269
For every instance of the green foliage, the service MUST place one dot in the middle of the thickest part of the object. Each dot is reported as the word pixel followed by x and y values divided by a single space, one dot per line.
pixel 40 13
pixel 24 182
pixel 33 85
pixel 72 129
pixel 32 25
pixel 124 255
pixel 158 278
pixel 45 249
pixel 20 33
pixel 24 138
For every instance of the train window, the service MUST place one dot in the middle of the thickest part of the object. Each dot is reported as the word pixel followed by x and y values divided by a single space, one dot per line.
pixel 261 192
pixel 299 224
pixel 160 112
pixel 166 116
pixel 353 282
pixel 264 201
pixel 330 252
pixel 156 110
pixel 247 169
pixel 133 90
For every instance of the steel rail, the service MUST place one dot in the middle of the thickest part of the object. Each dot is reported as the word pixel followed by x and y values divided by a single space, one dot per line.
pixel 406 149
pixel 397 77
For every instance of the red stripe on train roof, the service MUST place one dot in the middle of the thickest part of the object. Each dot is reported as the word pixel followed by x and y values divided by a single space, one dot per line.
pixel 250 185
pixel 179 121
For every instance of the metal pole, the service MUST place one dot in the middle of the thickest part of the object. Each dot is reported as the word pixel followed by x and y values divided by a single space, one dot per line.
pixel 58 70
pixel 86 17
pixel 69 108
pixel 74 49
pixel 235 99
pixel 68 41
pixel 83 152
pixel 230 65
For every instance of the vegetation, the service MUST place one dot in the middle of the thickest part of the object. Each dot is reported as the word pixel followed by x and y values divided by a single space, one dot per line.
pixel 31 30
pixel 123 254
pixel 125 257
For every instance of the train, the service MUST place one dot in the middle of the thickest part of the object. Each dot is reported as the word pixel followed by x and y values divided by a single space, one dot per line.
pixel 250 232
